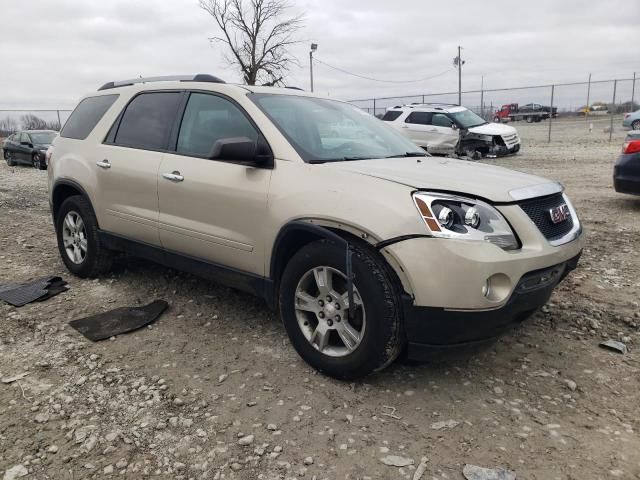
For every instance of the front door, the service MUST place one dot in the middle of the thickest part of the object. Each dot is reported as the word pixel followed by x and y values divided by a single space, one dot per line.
pixel 127 167
pixel 211 209
pixel 443 136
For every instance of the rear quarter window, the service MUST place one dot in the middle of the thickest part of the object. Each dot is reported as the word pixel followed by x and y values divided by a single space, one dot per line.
pixel 86 116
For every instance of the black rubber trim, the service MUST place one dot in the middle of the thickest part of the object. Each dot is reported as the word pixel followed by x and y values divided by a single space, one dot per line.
pixel 385 243
pixel 245 281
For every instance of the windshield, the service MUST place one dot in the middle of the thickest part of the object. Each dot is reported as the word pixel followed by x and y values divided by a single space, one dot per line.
pixel 467 119
pixel 43 138
pixel 323 130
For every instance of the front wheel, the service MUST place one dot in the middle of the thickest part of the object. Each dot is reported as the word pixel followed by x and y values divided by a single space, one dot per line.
pixel 635 125
pixel 78 241
pixel 529 119
pixel 36 162
pixel 314 304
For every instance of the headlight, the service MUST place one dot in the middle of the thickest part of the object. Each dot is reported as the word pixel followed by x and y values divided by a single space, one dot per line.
pixel 451 216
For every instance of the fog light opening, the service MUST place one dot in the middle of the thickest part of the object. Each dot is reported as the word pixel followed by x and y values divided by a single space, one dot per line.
pixel 486 289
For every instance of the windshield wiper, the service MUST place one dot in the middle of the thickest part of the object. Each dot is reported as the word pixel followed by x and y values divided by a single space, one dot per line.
pixel 409 154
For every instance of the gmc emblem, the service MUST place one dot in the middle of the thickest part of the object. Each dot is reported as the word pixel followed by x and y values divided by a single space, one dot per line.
pixel 560 213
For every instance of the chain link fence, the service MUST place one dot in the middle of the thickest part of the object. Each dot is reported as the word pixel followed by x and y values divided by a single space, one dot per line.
pixel 598 105
pixel 12 120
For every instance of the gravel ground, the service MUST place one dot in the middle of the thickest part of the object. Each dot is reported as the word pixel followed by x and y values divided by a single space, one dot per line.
pixel 214 390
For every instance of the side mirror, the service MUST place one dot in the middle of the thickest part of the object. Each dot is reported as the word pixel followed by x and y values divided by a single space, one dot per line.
pixel 243 151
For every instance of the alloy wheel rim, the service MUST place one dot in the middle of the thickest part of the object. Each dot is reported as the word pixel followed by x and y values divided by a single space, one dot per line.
pixel 321 307
pixel 74 237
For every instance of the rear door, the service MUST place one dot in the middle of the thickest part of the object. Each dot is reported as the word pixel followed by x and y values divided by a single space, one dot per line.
pixel 211 209
pixel 128 163
pixel 417 126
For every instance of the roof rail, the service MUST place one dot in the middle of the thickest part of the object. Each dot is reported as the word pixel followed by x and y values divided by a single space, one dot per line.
pixel 416 104
pixel 200 77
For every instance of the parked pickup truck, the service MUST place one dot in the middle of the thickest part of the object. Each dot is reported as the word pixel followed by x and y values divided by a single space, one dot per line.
pixel 531 112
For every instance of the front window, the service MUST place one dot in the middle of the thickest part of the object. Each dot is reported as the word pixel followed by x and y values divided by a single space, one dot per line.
pixel 467 119
pixel 43 138
pixel 323 130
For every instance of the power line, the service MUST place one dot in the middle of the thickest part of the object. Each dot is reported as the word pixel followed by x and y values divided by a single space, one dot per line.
pixel 315 59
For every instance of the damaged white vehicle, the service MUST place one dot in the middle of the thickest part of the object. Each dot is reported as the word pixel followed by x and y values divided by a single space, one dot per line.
pixel 444 129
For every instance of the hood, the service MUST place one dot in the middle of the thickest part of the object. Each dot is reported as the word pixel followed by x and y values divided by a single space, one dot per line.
pixel 493 183
pixel 494 129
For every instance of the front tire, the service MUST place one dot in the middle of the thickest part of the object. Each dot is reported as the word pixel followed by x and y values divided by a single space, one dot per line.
pixel 635 125
pixel 36 162
pixel 78 241
pixel 313 304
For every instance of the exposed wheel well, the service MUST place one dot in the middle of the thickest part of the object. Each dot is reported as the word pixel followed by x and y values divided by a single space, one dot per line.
pixel 60 193
pixel 293 239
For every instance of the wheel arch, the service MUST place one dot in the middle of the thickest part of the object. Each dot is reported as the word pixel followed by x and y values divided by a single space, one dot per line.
pixel 63 189
pixel 297 233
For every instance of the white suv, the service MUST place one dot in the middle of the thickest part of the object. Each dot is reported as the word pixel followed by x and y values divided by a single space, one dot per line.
pixel 363 243
pixel 452 129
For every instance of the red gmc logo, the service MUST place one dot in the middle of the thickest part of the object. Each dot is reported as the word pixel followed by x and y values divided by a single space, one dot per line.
pixel 560 213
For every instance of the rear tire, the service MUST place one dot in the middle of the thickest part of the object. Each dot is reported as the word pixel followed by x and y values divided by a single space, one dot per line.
pixel 635 125
pixel 9 158
pixel 377 319
pixel 78 241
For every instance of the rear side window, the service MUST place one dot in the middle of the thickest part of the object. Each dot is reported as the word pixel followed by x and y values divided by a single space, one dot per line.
pixel 391 115
pixel 147 121
pixel 86 115
pixel 421 118
pixel 207 119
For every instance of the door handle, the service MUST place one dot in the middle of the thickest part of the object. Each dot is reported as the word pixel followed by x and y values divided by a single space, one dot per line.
pixel 404 126
pixel 104 164
pixel 173 176
pixel 433 130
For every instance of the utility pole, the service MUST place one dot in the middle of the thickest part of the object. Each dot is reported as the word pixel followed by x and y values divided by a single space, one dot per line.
pixel 458 62
pixel 314 47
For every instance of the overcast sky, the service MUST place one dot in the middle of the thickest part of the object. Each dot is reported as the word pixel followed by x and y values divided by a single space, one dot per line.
pixel 56 51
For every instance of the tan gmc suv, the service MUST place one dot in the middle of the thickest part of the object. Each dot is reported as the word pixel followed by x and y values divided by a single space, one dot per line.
pixel 364 244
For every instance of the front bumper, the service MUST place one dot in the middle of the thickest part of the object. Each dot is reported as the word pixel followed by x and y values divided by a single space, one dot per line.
pixel 626 174
pixel 431 328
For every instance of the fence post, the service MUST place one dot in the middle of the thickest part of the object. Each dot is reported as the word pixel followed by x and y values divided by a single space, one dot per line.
pixel 586 113
pixel 422 98
pixel 59 122
pixel 613 108
pixel 553 87
pixel 374 107
pixel 482 97
pixel 633 92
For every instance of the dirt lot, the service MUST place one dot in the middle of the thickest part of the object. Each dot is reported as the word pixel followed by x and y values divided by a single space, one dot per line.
pixel 173 400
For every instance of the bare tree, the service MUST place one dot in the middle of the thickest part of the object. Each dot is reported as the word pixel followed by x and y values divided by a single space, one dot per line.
pixel 257 35
pixel 8 125
pixel 30 121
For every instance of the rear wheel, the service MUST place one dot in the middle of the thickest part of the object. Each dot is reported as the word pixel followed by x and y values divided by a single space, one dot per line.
pixel 78 241
pixel 314 305
pixel 635 125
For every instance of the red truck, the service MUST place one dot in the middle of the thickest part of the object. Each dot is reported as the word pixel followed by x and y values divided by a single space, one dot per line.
pixel 531 112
